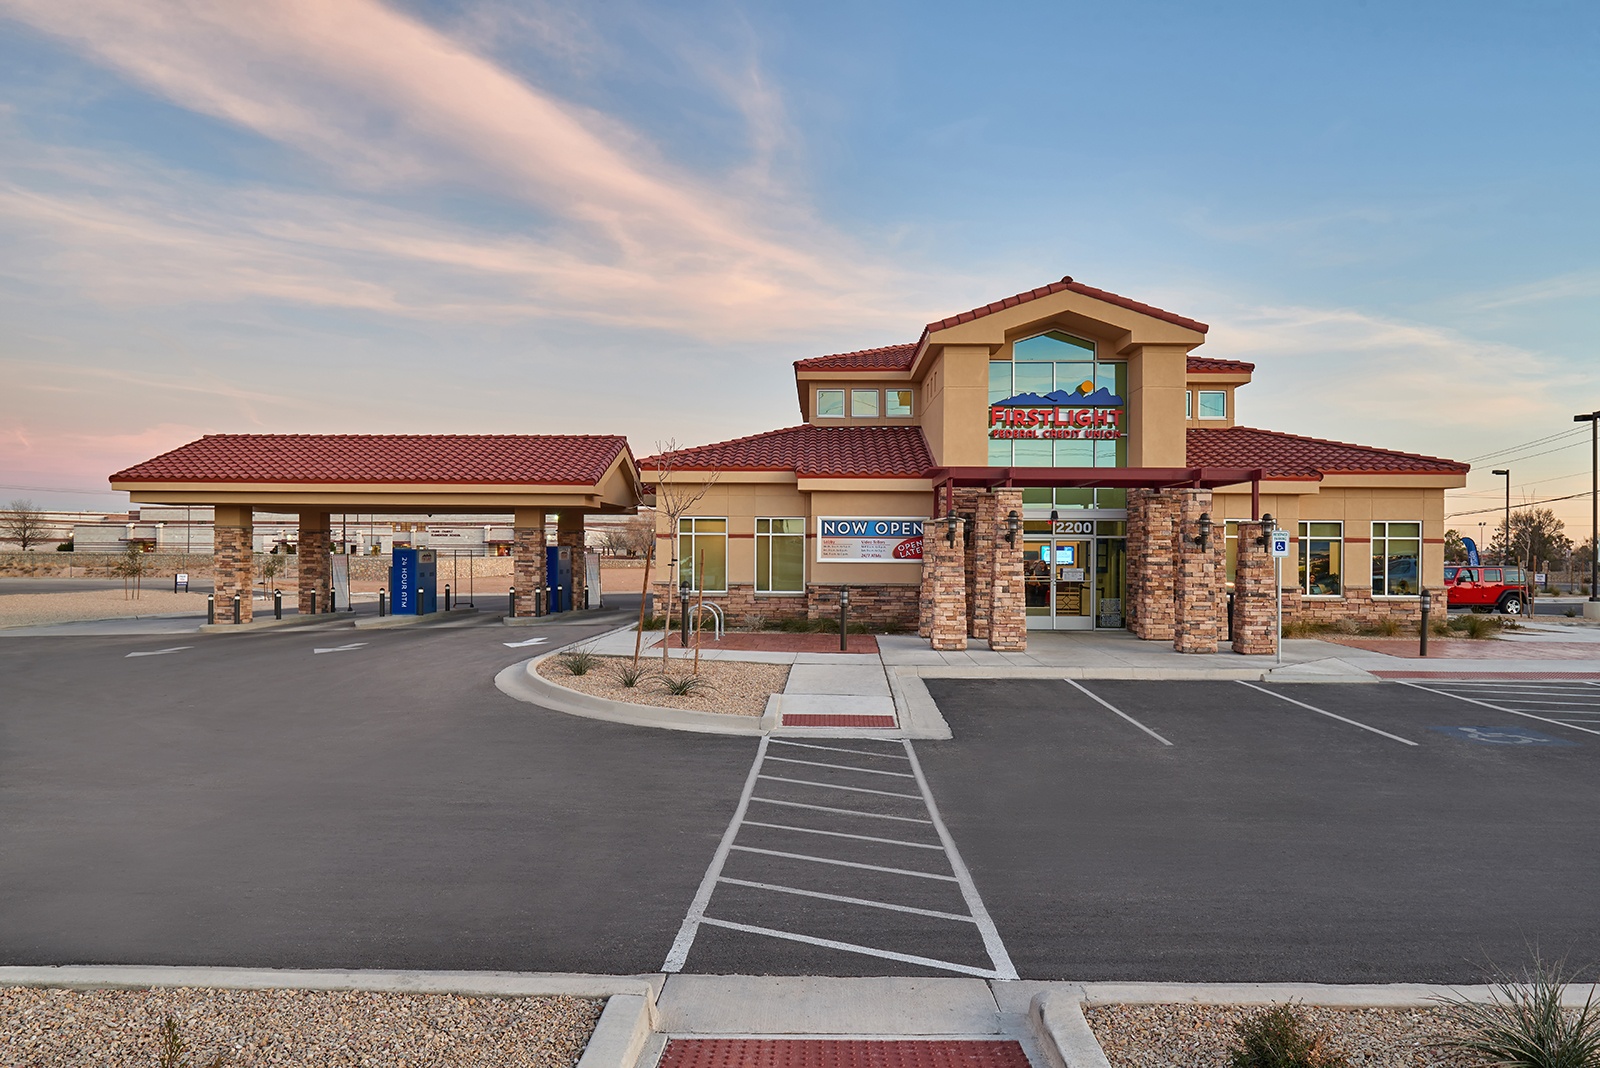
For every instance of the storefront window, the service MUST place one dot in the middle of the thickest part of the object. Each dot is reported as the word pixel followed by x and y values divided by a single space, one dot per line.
pixel 1231 548
pixel 1057 363
pixel 864 403
pixel 1188 404
pixel 1396 559
pixel 703 547
pixel 780 555
pixel 1322 559
pixel 897 403
pixel 830 403
pixel 1213 404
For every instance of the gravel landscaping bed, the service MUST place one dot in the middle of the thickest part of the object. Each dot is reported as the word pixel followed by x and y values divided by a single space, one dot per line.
pixel 733 687
pixel 25 609
pixel 291 1029
pixel 1199 1036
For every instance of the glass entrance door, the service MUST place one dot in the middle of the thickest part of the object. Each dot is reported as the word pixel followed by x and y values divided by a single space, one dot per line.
pixel 1073 593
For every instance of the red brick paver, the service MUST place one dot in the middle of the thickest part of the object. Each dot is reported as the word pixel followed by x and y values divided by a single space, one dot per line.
pixel 827 719
pixel 840 1053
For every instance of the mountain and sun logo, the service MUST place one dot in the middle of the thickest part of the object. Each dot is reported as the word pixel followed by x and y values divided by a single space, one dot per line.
pixel 1085 396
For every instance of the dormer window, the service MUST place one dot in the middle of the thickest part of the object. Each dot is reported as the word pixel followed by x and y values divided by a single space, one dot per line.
pixel 864 403
pixel 830 404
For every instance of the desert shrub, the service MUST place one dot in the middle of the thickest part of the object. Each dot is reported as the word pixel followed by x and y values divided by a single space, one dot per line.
pixel 173 1049
pixel 1279 1037
pixel 1475 626
pixel 578 661
pixel 1523 1024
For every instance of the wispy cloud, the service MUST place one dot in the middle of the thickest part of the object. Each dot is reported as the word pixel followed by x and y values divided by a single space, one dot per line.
pixel 388 104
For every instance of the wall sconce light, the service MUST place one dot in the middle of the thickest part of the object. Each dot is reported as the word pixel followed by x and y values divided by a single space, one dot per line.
pixel 1013 524
pixel 1203 539
pixel 1268 525
pixel 1054 515
pixel 950 530
pixel 969 530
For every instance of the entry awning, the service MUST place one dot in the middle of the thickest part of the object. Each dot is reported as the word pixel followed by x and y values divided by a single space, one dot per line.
pixel 1097 477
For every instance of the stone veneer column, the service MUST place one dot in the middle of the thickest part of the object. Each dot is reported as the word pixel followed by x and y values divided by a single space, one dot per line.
pixel 1255 603
pixel 527 538
pixel 1152 558
pixel 231 569
pixel 981 560
pixel 1199 575
pixel 944 583
pixel 311 560
pixel 569 533
pixel 1008 617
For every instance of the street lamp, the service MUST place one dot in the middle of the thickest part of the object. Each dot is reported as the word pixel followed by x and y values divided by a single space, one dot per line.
pixel 1593 419
pixel 1505 551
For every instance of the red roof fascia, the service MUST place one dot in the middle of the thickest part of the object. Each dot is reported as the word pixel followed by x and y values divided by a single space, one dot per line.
pixel 1063 286
pixel 384 459
pixel 883 358
pixel 814 452
pixel 1292 456
pixel 1209 366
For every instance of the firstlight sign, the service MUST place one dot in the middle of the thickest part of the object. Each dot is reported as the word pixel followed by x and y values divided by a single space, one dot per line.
pixel 1085 413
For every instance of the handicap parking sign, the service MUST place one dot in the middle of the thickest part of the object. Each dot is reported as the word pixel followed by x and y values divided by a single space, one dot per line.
pixel 1280 543
pixel 1501 736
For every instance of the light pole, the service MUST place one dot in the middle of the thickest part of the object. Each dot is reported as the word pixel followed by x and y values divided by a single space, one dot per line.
pixel 1505 549
pixel 1481 541
pixel 1593 419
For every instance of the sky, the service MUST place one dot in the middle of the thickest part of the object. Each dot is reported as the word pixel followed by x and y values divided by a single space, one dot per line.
pixel 541 216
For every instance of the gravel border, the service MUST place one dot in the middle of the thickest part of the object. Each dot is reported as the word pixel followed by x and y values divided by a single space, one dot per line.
pixel 1199 1036
pixel 736 687
pixel 63 1028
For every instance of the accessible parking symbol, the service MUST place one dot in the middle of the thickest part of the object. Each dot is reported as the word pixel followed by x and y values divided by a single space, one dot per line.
pixel 1501 735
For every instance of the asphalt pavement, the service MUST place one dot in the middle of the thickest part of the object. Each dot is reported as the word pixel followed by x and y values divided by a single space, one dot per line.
pixel 327 797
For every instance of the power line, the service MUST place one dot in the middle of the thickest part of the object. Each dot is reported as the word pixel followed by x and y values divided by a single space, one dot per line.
pixel 1526 444
pixel 1528 504
pixel 64 489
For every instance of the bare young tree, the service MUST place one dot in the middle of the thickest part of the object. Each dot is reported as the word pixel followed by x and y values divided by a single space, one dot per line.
pixel 674 498
pixel 24 524
pixel 131 566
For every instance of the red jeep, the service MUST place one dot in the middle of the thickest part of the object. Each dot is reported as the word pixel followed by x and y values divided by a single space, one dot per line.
pixel 1487 589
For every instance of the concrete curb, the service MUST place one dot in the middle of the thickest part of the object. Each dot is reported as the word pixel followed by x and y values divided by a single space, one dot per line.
pixel 916 709
pixel 271 624
pixel 370 622
pixel 1125 674
pixel 523 682
pixel 626 1024
pixel 475 984
pixel 1058 1025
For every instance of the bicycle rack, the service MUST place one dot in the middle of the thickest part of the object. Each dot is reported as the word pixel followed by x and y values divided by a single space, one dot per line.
pixel 716 616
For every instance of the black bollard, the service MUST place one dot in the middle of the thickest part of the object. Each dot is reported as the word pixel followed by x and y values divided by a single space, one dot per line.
pixel 236 609
pixel 211 608
pixel 277 604
pixel 512 599
pixel 1427 607
pixel 383 602
pixel 313 602
pixel 447 596
pixel 844 618
pixel 333 600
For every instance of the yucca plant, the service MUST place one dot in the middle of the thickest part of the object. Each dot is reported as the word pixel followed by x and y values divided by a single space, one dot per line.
pixel 630 675
pixel 684 685
pixel 1279 1037
pixel 1523 1024
pixel 578 661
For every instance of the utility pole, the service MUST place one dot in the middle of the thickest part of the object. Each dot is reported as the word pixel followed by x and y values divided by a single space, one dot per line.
pixel 1592 609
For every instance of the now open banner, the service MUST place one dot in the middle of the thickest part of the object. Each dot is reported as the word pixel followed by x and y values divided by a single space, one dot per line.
pixel 869 539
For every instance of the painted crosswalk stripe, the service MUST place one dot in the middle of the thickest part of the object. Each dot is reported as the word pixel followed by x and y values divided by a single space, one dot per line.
pixel 840 811
pixel 840 767
pixel 845 863
pixel 847 900
pixel 839 749
pixel 835 786
pixel 851 947
pixel 841 834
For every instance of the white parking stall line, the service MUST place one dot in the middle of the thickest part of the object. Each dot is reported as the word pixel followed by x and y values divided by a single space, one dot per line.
pixel 841 834
pixel 342 648
pixel 840 811
pixel 160 652
pixel 1497 708
pixel 844 899
pixel 851 947
pixel 1325 712
pixel 846 863
pixel 834 786
pixel 838 749
pixel 841 767
pixel 1118 711
pixel 697 908
pixel 998 956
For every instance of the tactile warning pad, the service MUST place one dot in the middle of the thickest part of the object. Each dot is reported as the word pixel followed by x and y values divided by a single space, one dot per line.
pixel 841 1053
pixel 823 719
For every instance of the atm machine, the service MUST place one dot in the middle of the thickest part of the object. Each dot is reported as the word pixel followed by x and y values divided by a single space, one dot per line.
pixel 558 575
pixel 413 580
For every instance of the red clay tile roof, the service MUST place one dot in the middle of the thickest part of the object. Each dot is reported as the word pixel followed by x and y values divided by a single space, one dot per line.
pixel 1205 365
pixel 505 459
pixel 1291 456
pixel 885 358
pixel 816 452
pixel 1060 287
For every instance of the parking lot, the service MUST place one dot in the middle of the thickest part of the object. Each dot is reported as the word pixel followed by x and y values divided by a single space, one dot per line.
pixel 1214 831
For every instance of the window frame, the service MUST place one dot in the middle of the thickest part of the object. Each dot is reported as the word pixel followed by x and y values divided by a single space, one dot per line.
pixel 1381 536
pixel 770 538
pixel 1303 557
pixel 911 404
pixel 842 406
pixel 877 402
pixel 686 562
pixel 1200 404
